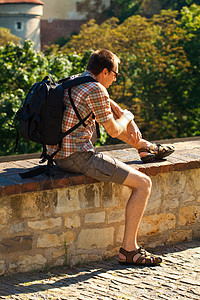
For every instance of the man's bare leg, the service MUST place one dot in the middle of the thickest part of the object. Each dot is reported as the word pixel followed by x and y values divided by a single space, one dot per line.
pixel 141 188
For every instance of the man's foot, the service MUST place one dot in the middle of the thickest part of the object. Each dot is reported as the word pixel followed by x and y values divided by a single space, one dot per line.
pixel 155 152
pixel 139 257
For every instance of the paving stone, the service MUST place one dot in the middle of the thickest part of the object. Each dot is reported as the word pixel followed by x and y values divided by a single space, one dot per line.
pixel 176 278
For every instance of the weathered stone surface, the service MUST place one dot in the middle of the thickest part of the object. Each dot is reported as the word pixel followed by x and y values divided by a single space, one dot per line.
pixel 90 196
pixel 68 200
pixel 171 204
pixel 17 243
pixel 188 195
pixel 2 267
pixel 173 183
pixel 58 253
pixel 195 175
pixel 48 240
pixel 66 238
pixel 45 224
pixel 95 238
pixel 72 222
pixel 32 205
pixel 180 236
pixel 18 227
pixel 116 216
pixel 24 206
pixel 110 195
pixel 189 215
pixel 3 217
pixel 157 223
pixel 111 252
pixel 120 234
pixel 98 217
pixel 125 194
pixel 27 263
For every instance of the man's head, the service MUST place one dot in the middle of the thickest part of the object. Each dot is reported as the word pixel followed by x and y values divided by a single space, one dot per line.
pixel 104 65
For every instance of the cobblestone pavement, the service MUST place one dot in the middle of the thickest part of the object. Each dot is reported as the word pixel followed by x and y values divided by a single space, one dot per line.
pixel 177 278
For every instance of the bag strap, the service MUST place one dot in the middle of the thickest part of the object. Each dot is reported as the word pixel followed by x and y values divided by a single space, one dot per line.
pixel 75 109
pixel 69 83
pixel 74 82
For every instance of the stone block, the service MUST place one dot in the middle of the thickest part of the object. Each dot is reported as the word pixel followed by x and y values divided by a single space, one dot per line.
pixel 3 217
pixel 171 204
pixel 28 263
pixel 32 205
pixel 2 267
pixel 66 238
pixel 95 238
pixel 68 200
pixel 180 236
pixel 48 240
pixel 110 195
pixel 116 216
pixel 78 198
pixel 173 183
pixel 18 227
pixel 58 253
pixel 15 244
pixel 111 253
pixel 125 194
pixel 154 224
pixel 90 196
pixel 195 175
pixel 45 224
pixel 189 215
pixel 120 234
pixel 98 217
pixel 24 206
pixel 72 222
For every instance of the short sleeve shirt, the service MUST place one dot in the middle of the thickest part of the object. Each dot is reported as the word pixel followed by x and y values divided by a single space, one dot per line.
pixel 91 97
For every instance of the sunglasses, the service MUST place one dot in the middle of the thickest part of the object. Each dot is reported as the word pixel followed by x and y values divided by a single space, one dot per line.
pixel 116 74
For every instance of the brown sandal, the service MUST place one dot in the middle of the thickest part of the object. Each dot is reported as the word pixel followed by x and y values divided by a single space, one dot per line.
pixel 144 258
pixel 156 152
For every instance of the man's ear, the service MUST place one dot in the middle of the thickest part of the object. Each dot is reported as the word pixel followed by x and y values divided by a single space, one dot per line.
pixel 105 71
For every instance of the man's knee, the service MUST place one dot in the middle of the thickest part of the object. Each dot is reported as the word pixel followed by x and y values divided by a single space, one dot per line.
pixel 146 183
pixel 138 180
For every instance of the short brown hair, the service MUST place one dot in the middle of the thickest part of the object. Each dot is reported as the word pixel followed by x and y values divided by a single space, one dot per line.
pixel 101 59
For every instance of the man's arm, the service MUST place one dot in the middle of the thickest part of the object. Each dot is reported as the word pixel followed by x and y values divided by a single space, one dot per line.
pixel 132 134
pixel 116 127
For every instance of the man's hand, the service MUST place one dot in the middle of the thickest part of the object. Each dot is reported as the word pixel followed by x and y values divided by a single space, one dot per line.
pixel 116 109
pixel 134 132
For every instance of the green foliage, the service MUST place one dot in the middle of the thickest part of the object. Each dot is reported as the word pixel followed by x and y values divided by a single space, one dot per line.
pixel 6 36
pixel 21 67
pixel 159 70
pixel 159 81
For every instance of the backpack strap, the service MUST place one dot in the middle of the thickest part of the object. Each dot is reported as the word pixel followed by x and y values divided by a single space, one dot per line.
pixel 66 84
pixel 75 109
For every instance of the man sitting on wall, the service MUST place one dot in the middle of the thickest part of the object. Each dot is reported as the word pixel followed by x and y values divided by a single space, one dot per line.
pixel 78 155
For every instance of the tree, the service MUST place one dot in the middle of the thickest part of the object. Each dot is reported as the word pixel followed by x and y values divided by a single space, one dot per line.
pixel 21 67
pixel 157 77
pixel 123 9
pixel 6 36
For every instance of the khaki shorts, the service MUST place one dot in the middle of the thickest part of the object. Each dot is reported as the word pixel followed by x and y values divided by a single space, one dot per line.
pixel 97 165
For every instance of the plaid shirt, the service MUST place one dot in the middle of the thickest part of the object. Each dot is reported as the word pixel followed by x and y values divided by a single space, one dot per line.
pixel 88 97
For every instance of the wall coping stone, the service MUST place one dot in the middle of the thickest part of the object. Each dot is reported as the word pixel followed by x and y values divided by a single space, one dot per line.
pixel 186 156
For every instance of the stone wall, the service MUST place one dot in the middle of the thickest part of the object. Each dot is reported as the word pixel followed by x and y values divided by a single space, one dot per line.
pixel 76 221
pixel 86 222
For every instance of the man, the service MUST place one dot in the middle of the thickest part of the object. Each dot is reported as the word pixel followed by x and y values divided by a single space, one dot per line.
pixel 78 155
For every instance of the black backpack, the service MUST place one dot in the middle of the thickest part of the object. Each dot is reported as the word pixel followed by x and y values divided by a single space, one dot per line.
pixel 42 113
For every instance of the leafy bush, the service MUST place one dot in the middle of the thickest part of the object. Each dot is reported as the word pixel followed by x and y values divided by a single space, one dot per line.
pixel 22 67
